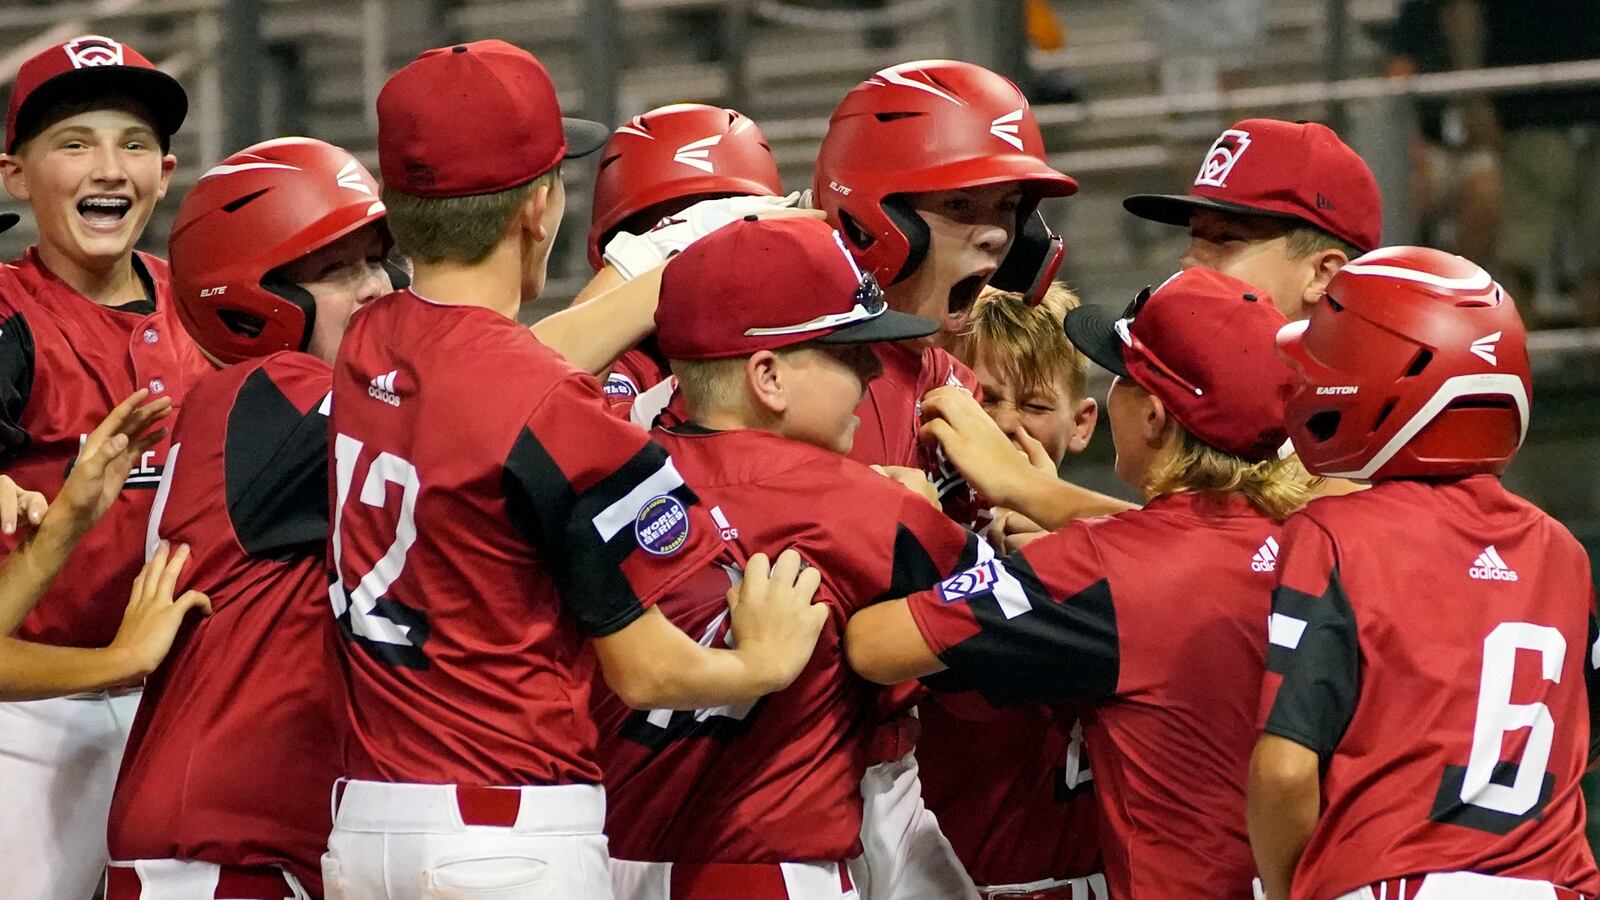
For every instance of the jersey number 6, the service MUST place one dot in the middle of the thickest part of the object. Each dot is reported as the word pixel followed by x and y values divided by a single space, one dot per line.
pixel 1488 794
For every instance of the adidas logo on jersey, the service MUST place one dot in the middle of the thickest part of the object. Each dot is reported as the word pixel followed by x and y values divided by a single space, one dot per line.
pixel 382 388
pixel 1490 567
pixel 1266 559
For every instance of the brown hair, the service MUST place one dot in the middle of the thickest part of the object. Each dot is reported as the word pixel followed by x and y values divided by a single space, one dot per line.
pixel 457 229
pixel 1025 343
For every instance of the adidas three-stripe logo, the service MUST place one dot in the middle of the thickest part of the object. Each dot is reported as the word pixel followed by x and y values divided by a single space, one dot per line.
pixel 382 388
pixel 1489 566
pixel 1266 559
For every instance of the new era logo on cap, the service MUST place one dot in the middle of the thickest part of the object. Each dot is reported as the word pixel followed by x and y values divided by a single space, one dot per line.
pixel 1224 154
pixel 1489 566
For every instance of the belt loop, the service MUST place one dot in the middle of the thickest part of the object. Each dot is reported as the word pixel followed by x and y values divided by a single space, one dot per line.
pixel 334 796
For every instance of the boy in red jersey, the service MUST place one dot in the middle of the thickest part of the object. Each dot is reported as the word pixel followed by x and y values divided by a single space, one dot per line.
pixel 507 533
pixel 1429 708
pixel 1018 806
pixel 764 800
pixel 1151 617
pixel 85 320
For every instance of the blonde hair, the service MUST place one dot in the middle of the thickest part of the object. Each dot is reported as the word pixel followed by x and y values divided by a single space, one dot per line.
pixel 1025 344
pixel 710 384
pixel 1274 486
pixel 1304 240
pixel 457 229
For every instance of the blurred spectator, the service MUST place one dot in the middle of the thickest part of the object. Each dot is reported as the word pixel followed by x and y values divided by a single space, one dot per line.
pixel 1200 45
pixel 1045 31
pixel 1455 174
pixel 1550 164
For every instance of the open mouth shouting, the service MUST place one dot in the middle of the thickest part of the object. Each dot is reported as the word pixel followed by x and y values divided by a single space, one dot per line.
pixel 104 212
pixel 964 293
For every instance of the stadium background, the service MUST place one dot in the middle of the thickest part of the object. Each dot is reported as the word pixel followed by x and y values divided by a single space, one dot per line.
pixel 1129 95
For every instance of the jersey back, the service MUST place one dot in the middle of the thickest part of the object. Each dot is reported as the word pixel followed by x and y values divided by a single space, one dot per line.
pixel 235 747
pixel 489 515
pixel 778 780
pixel 1444 681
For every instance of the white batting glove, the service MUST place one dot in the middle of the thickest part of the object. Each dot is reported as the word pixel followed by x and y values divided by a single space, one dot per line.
pixel 633 255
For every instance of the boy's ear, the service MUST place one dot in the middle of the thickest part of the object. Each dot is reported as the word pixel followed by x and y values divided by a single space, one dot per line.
pixel 1085 416
pixel 764 380
pixel 533 212
pixel 15 179
pixel 1156 421
pixel 1325 264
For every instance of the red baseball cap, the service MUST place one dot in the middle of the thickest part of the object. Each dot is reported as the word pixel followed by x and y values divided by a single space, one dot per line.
pixel 764 284
pixel 1283 170
pixel 1206 344
pixel 84 68
pixel 474 119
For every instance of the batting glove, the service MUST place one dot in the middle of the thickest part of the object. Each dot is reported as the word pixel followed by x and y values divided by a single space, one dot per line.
pixel 633 255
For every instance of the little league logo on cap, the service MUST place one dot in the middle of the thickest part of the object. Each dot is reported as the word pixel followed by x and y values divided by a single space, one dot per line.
pixel 1222 157
pixel 93 50
pixel 662 526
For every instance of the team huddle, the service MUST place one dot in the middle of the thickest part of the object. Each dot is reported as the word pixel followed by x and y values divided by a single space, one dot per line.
pixel 751 573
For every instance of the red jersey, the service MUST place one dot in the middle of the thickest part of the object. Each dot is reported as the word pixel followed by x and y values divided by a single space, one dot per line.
pixel 1017 805
pixel 891 420
pixel 779 780
pixel 1152 619
pixel 65 361
pixel 635 371
pixel 489 514
pixel 1445 681
pixel 235 748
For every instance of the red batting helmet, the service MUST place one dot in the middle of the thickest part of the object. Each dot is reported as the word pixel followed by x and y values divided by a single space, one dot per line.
pixel 924 126
pixel 680 152
pixel 1415 365
pixel 261 208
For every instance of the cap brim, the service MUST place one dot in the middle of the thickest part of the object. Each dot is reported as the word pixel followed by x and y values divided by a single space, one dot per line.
pixel 583 136
pixel 1089 328
pixel 7 220
pixel 154 88
pixel 889 326
pixel 1174 209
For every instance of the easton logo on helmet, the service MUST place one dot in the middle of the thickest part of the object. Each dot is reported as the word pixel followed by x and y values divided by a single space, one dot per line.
pixel 697 154
pixel 1222 157
pixel 93 50
pixel 662 526
pixel 1005 128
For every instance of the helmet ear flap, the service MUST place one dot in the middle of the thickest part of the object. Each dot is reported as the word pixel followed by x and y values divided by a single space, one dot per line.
pixel 905 218
pixel 301 298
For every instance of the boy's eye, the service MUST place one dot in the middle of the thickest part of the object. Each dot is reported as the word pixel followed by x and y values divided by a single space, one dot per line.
pixel 1038 408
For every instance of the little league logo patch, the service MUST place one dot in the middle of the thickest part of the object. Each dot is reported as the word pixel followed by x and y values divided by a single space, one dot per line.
pixel 619 386
pixel 93 50
pixel 977 580
pixel 662 526
pixel 1223 156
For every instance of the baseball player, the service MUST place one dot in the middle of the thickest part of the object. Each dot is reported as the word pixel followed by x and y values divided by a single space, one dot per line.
pixel 657 165
pixel 32 671
pixel 235 748
pixel 84 321
pixel 1280 205
pixel 489 515
pixel 929 170
pixel 1018 806
pixel 763 800
pixel 1152 617
pixel 1429 708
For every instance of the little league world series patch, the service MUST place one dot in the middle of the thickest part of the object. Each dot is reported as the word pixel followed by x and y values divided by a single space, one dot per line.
pixel 979 579
pixel 662 526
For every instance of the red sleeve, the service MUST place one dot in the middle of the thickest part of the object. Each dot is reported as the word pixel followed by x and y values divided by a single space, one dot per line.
pixel 928 546
pixel 1313 657
pixel 606 505
pixel 1037 626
